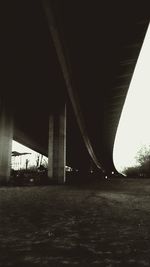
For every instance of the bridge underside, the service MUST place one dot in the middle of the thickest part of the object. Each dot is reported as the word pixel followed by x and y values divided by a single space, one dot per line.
pixel 100 45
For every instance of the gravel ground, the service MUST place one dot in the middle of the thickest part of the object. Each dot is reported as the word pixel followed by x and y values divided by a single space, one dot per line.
pixel 106 223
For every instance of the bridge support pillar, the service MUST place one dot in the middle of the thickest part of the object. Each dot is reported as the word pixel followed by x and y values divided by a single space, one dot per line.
pixel 57 146
pixel 6 137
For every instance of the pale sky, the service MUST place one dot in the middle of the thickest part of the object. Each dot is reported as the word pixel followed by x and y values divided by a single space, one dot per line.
pixel 134 126
pixel 20 162
pixel 21 148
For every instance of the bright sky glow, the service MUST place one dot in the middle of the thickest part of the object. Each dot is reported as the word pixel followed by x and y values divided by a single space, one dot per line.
pixel 21 148
pixel 19 162
pixel 134 126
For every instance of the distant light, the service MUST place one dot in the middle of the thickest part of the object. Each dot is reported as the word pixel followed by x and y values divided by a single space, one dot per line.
pixel 134 128
pixel 112 172
pixel 68 168
pixel 106 177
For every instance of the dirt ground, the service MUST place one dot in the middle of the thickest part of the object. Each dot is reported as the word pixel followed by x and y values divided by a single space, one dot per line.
pixel 106 223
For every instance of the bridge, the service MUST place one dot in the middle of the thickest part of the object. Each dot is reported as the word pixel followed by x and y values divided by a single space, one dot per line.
pixel 66 70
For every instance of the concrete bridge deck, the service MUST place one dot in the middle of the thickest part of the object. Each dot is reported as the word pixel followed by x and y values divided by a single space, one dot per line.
pixel 100 224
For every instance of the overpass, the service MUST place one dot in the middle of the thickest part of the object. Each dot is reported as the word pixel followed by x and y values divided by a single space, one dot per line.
pixel 66 70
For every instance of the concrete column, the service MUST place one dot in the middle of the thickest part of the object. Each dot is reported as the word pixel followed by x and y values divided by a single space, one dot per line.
pixel 6 137
pixel 57 146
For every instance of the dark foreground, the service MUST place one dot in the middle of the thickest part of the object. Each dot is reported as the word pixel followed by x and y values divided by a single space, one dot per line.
pixel 102 224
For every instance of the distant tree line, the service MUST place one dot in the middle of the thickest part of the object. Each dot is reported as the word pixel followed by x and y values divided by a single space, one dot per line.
pixel 142 169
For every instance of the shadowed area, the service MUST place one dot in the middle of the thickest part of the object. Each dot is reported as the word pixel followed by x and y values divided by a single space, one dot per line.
pixel 101 43
pixel 98 224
